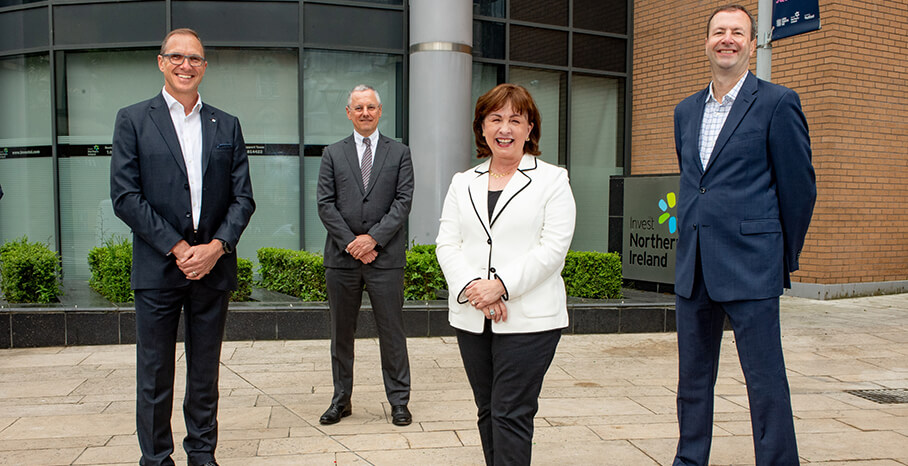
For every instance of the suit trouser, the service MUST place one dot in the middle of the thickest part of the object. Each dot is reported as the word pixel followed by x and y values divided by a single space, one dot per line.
pixel 386 292
pixel 157 319
pixel 506 372
pixel 700 323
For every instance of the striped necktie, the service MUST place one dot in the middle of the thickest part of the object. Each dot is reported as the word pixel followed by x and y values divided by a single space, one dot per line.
pixel 367 162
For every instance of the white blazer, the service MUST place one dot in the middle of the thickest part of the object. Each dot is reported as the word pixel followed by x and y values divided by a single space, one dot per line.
pixel 524 245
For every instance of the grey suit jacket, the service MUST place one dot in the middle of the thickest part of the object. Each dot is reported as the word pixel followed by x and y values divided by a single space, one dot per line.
pixel 347 210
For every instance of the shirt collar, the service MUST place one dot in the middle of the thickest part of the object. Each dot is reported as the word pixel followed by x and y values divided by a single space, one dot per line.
pixel 732 94
pixel 372 137
pixel 171 101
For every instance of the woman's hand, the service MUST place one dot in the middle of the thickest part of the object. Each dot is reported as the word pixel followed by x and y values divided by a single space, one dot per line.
pixel 485 295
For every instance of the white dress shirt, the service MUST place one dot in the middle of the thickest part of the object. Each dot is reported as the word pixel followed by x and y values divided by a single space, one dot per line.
pixel 714 115
pixel 189 132
pixel 360 147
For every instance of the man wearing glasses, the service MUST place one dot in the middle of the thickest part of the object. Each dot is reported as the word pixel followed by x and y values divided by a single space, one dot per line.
pixel 179 177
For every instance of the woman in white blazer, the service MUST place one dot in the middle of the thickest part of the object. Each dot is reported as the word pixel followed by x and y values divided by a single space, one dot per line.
pixel 506 227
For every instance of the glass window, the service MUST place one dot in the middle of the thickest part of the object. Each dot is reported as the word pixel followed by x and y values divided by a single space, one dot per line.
pixel 600 53
pixel 541 11
pixel 236 22
pixel 494 8
pixel 109 23
pixel 97 84
pixel 548 89
pixel 488 39
pixel 331 26
pixel 601 15
pixel 328 78
pixel 26 166
pixel 261 88
pixel 23 29
pixel 597 147
pixel 535 45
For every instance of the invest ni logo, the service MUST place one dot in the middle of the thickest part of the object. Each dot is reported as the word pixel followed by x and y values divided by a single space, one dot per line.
pixel 664 205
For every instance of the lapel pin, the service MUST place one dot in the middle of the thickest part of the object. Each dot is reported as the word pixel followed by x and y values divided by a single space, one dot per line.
pixel 214 120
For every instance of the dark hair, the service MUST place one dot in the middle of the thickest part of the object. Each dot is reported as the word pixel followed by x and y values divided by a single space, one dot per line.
pixel 732 8
pixel 179 31
pixel 521 102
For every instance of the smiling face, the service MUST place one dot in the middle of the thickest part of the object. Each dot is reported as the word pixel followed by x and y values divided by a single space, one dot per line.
pixel 730 43
pixel 182 81
pixel 506 131
pixel 364 111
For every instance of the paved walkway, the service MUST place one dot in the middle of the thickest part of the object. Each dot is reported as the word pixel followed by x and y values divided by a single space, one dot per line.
pixel 608 399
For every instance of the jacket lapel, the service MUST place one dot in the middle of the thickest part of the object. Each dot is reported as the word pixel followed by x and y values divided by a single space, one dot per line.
pixel 519 181
pixel 479 194
pixel 739 108
pixel 353 161
pixel 696 125
pixel 209 129
pixel 160 115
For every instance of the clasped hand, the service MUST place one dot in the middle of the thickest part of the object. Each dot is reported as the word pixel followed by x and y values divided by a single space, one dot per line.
pixel 362 248
pixel 485 295
pixel 197 261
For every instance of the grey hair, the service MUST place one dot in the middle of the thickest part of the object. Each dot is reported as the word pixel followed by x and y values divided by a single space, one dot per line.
pixel 186 31
pixel 360 88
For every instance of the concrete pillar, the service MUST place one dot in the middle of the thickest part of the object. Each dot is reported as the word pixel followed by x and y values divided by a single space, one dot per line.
pixel 441 117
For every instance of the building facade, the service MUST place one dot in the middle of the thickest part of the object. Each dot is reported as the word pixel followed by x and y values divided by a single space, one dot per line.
pixel 285 68
pixel 606 75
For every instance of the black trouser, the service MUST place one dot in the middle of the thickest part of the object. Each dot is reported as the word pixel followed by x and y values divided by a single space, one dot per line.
pixel 506 373
pixel 386 292
pixel 157 318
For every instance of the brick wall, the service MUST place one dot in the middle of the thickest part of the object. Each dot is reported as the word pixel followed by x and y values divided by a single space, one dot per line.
pixel 851 79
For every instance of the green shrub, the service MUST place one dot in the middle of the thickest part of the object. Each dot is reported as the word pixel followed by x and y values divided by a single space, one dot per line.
pixel 29 272
pixel 111 268
pixel 422 274
pixel 592 274
pixel 244 280
pixel 296 273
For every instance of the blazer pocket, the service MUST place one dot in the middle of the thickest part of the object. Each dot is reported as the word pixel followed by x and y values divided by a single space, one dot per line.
pixel 756 227
pixel 223 146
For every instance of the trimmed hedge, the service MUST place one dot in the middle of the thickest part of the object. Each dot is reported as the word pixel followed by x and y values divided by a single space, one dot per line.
pixel 111 268
pixel 244 280
pixel 29 272
pixel 302 274
pixel 296 273
pixel 594 275
pixel 422 274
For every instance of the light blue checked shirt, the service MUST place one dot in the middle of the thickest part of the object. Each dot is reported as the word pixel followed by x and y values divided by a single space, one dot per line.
pixel 714 116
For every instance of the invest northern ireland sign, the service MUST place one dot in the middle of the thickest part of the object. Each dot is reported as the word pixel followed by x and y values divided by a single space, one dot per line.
pixel 650 228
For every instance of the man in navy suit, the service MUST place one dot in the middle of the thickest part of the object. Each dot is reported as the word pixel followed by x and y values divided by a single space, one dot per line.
pixel 179 177
pixel 746 197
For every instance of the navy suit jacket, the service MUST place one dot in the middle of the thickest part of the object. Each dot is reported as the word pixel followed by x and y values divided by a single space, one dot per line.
pixel 150 191
pixel 750 208
pixel 347 210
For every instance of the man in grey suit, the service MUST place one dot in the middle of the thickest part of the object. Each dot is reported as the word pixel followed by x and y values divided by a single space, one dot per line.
pixel 365 187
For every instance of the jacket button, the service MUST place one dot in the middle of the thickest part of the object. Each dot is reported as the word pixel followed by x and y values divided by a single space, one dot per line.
pixel 489 241
pixel 702 190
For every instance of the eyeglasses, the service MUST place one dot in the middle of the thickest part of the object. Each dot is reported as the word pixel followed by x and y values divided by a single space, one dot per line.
pixel 178 59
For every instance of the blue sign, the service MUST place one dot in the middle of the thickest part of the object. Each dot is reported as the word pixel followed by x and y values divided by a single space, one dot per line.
pixel 793 17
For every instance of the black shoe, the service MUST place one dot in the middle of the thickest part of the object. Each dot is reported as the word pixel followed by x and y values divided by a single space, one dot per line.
pixel 210 463
pixel 400 415
pixel 334 414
